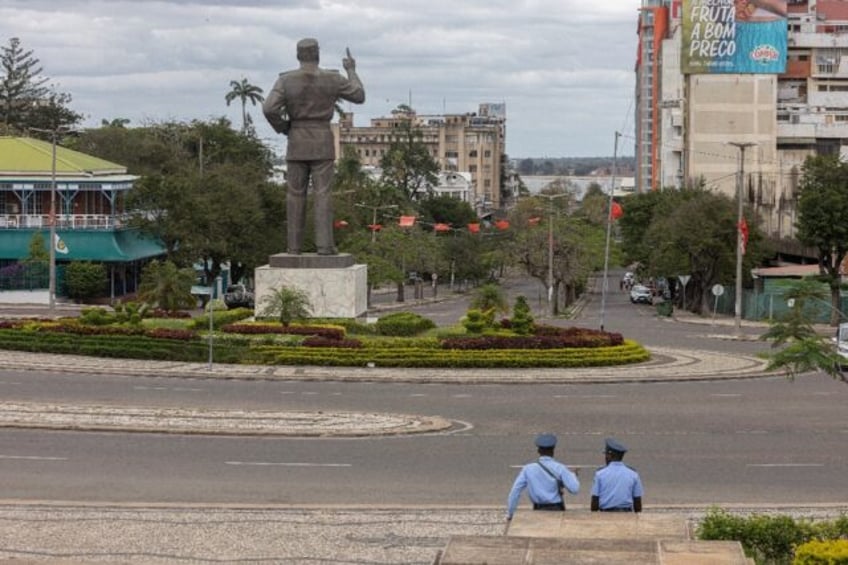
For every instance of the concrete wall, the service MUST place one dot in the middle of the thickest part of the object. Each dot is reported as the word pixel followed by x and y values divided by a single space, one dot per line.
pixel 25 297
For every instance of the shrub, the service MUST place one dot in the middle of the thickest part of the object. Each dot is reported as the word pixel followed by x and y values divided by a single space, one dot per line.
pixel 583 335
pixel 403 324
pixel 475 321
pixel 766 538
pixel 85 280
pixel 96 316
pixel 522 319
pixel 822 553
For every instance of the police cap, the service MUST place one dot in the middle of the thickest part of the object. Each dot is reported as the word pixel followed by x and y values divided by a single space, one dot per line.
pixel 546 441
pixel 613 446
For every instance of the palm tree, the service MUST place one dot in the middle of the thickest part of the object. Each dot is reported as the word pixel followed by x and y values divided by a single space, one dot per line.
pixel 244 91
pixel 167 286
pixel 287 304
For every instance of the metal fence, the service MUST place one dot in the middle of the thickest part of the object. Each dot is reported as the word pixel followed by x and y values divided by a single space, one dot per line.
pixel 25 276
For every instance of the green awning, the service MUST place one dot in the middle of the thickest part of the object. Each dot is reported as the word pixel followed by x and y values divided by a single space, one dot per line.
pixel 84 245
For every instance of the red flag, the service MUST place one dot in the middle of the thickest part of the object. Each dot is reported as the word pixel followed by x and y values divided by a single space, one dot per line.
pixel 743 229
pixel 534 221
pixel 474 228
pixel 375 227
pixel 441 227
pixel 616 211
pixel 502 225
pixel 339 224
pixel 406 221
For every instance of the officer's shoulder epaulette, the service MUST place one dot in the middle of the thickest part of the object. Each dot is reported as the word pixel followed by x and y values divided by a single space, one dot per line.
pixel 601 468
pixel 284 73
pixel 631 468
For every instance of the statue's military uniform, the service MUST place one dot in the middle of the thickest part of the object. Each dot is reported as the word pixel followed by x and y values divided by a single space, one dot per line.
pixel 301 104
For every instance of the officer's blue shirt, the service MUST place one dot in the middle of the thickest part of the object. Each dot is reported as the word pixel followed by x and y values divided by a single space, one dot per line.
pixel 541 487
pixel 616 485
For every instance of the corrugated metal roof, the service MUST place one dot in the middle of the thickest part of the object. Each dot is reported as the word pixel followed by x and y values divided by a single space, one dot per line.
pixel 25 156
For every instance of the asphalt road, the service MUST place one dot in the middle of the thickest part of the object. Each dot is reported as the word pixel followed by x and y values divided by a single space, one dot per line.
pixel 763 441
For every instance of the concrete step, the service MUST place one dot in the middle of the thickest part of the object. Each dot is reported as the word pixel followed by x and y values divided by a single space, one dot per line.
pixel 509 550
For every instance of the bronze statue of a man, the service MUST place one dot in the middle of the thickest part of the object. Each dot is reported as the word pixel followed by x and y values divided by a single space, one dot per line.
pixel 301 105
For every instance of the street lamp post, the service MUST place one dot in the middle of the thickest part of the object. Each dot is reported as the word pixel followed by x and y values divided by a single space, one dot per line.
pixel 740 181
pixel 550 198
pixel 605 284
pixel 51 246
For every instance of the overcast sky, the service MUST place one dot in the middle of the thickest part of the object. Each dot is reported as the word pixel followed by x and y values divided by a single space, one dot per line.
pixel 564 68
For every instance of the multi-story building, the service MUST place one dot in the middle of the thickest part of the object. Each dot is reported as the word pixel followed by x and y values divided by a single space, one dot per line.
pixel 86 195
pixel 812 98
pixel 691 124
pixel 463 143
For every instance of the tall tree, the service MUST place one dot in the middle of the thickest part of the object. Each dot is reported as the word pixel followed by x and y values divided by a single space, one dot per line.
pixel 245 92
pixel 822 210
pixel 25 101
pixel 408 166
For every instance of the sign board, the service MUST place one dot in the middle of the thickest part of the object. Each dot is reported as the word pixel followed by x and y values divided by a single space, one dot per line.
pixel 734 36
pixel 718 290
pixel 684 279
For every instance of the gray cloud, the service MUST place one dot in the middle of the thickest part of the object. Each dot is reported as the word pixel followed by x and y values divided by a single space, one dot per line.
pixel 563 67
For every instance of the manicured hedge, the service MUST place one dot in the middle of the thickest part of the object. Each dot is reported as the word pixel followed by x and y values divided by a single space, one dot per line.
pixel 631 352
pixel 328 332
pixel 403 324
pixel 220 318
pixel 121 346
pixel 329 348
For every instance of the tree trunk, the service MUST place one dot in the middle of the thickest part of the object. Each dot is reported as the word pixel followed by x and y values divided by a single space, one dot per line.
pixel 400 291
pixel 835 312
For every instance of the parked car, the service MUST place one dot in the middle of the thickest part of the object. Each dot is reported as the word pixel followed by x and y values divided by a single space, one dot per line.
pixel 642 294
pixel 238 296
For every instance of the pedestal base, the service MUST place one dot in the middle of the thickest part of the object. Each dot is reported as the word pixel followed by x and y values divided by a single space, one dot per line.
pixel 333 292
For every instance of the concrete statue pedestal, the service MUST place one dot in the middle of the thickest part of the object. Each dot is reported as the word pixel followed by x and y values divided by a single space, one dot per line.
pixel 335 285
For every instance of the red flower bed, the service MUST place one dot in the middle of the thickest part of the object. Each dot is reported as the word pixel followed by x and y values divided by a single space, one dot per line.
pixel 165 333
pixel 317 341
pixel 328 333
pixel 547 337
pixel 160 313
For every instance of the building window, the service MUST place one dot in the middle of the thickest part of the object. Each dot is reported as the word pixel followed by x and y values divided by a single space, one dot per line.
pixel 472 168
pixel 472 154
pixel 487 154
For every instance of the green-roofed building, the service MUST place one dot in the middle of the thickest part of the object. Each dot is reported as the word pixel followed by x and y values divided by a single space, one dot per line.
pixel 89 210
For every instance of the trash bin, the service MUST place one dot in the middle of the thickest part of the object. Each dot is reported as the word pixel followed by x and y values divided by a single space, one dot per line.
pixel 665 308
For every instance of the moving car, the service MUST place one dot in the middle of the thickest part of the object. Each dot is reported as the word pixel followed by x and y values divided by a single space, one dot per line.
pixel 641 293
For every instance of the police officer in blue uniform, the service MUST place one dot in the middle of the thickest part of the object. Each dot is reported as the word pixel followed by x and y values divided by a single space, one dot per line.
pixel 616 487
pixel 544 480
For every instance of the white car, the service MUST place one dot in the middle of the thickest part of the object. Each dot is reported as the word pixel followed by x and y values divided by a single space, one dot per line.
pixel 641 293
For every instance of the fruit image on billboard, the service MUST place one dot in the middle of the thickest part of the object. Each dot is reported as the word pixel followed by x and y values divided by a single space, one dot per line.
pixel 734 36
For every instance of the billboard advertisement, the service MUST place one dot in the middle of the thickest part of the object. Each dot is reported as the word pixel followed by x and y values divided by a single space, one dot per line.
pixel 734 36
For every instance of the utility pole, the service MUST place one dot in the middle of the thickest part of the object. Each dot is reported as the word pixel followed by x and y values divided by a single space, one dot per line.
pixel 740 181
pixel 609 231
pixel 374 217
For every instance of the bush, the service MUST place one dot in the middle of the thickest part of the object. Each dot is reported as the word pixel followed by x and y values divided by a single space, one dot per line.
pixel 403 324
pixel 768 538
pixel 822 553
pixel 475 321
pixel 522 319
pixel 85 280
pixel 318 341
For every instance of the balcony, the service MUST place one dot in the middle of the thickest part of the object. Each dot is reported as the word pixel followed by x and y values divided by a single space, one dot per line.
pixel 70 221
pixel 820 40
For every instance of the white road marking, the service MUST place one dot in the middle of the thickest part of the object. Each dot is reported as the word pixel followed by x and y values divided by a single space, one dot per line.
pixel 167 388
pixel 281 464
pixel 9 383
pixel 585 395
pixel 461 396
pixel 32 458
pixel 785 465
pixel 418 394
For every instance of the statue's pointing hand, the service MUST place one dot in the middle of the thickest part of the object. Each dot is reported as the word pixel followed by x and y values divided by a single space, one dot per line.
pixel 349 63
